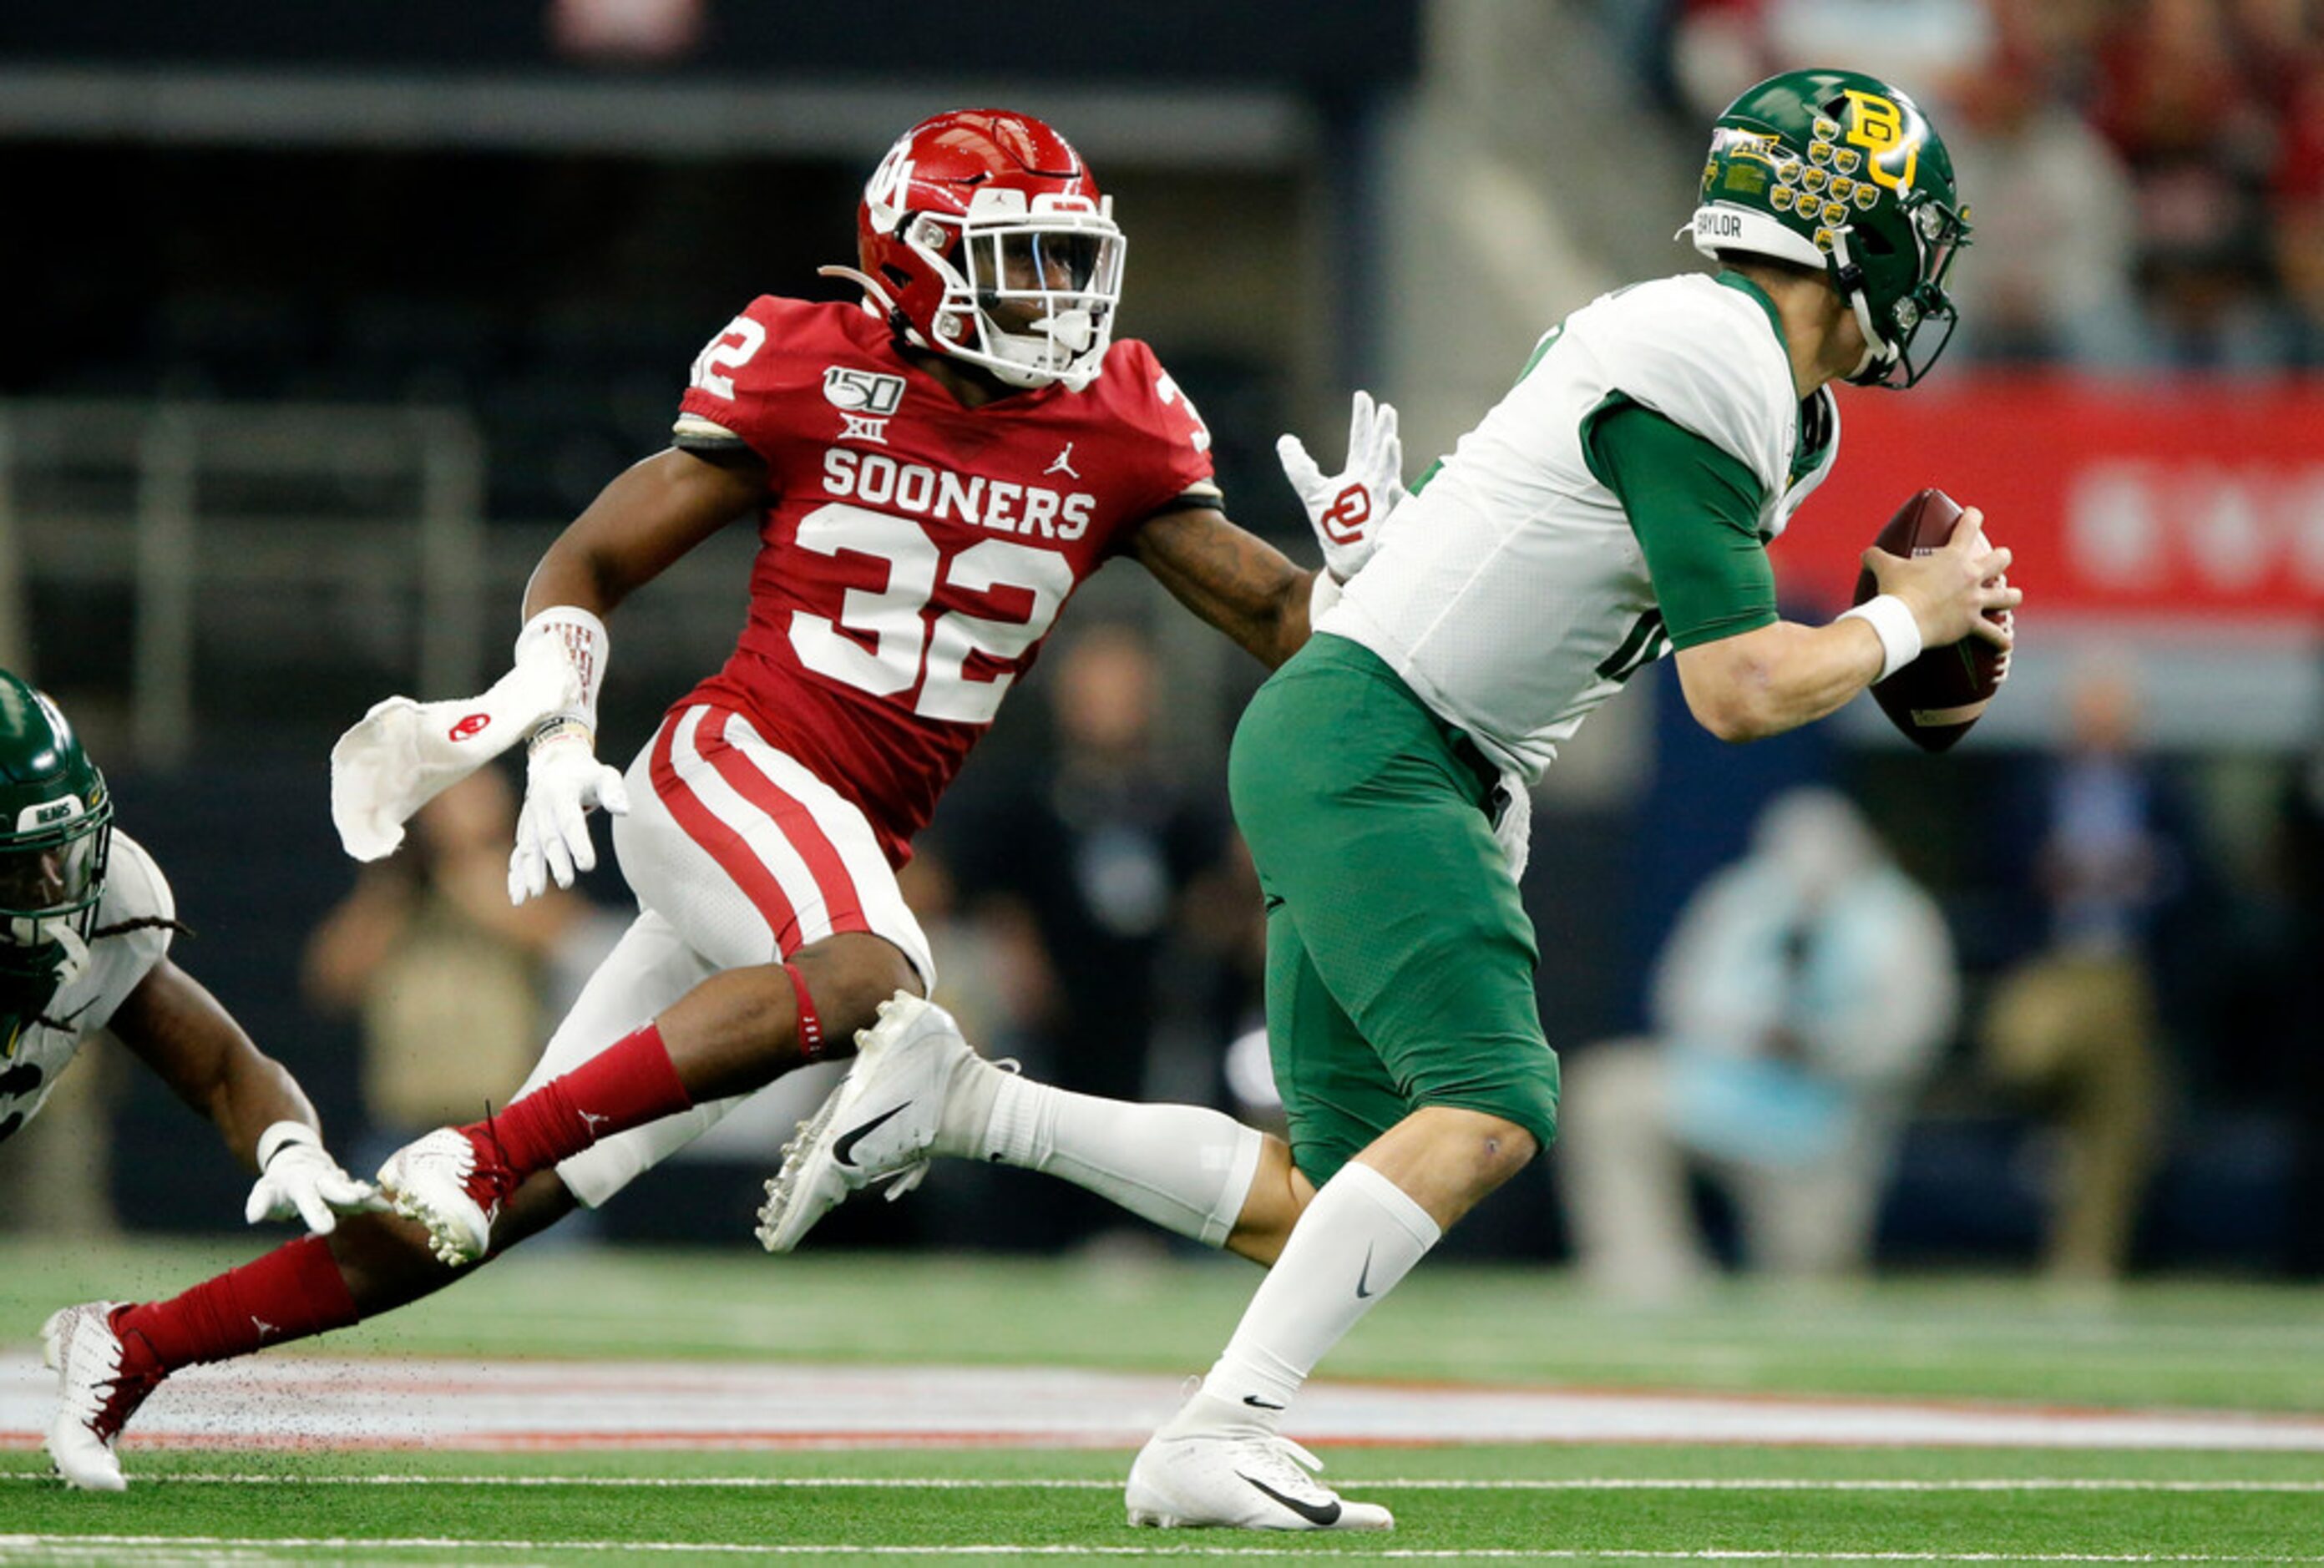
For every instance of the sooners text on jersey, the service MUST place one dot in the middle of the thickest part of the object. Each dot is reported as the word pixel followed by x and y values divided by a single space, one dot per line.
pixel 913 553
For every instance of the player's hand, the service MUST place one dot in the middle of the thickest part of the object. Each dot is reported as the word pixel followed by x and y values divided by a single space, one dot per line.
pixel 300 1180
pixel 1949 590
pixel 1348 509
pixel 562 781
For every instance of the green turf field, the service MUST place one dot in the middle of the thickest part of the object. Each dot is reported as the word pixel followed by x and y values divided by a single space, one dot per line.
pixel 2214 1345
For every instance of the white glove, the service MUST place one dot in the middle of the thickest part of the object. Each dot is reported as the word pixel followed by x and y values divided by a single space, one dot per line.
pixel 403 754
pixel 297 1177
pixel 1513 830
pixel 1348 509
pixel 562 781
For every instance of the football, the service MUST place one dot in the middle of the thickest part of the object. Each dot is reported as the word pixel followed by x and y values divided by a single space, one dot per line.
pixel 1935 699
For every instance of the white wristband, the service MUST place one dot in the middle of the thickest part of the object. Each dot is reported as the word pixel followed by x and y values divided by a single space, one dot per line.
pixel 1891 620
pixel 275 1139
pixel 1321 596
pixel 580 636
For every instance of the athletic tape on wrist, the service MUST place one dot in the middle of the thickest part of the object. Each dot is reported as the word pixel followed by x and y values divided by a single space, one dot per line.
pixel 558 727
pixel 1891 620
pixel 281 1136
pixel 580 636
pixel 1321 596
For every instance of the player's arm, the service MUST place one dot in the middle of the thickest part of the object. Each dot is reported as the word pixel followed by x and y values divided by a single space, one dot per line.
pixel 645 520
pixel 178 1028
pixel 642 521
pixel 1745 672
pixel 1229 577
pixel 1777 678
pixel 173 1025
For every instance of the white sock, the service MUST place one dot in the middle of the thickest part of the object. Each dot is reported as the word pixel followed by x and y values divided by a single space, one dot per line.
pixel 1185 1168
pixel 1361 1235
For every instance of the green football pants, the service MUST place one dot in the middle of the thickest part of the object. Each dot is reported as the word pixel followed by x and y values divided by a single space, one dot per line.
pixel 1399 959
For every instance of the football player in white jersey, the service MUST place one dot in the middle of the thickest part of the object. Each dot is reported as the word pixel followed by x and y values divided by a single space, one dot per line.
pixel 1614 507
pixel 86 920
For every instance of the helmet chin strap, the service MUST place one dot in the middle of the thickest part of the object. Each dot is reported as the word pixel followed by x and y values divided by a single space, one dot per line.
pixel 1879 353
pixel 877 301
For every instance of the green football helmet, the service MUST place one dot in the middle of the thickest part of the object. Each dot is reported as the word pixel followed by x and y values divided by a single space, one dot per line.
pixel 1840 171
pixel 56 833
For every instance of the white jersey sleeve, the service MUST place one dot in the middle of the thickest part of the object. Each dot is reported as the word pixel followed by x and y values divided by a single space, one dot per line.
pixel 136 897
pixel 38 1049
pixel 1510 593
pixel 1696 353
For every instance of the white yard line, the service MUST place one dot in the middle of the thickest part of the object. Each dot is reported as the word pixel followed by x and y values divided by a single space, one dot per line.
pixel 1398 1483
pixel 181 1548
pixel 554 1406
pixel 186 1547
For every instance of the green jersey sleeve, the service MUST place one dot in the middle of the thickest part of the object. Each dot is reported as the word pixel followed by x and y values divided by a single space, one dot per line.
pixel 1695 510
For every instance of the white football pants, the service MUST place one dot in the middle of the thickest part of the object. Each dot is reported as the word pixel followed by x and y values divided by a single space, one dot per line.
pixel 738 855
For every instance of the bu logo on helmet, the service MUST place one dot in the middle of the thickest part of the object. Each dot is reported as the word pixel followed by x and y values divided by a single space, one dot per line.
pixel 1877 125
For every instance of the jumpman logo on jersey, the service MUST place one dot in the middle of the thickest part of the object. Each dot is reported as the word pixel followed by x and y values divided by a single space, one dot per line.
pixel 1064 463
pixel 591 1119
pixel 264 1327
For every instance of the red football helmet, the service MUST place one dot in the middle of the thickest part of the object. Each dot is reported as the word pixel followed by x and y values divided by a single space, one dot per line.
pixel 983 236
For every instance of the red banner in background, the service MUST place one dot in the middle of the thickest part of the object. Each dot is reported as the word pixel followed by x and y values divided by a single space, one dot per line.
pixel 2199 501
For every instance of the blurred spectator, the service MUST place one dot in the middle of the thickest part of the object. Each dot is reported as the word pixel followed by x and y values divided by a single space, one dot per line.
pixel 2187 108
pixel 2176 143
pixel 2297 231
pixel 2050 275
pixel 2076 1030
pixel 455 987
pixel 1802 999
pixel 1719 47
pixel 1084 863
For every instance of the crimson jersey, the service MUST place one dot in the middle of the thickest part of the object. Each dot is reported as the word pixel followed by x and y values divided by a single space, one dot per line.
pixel 914 553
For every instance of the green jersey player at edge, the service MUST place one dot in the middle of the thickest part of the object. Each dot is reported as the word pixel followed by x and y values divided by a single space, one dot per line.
pixel 1617 504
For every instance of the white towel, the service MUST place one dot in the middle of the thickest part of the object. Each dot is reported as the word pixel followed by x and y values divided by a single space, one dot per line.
pixel 403 754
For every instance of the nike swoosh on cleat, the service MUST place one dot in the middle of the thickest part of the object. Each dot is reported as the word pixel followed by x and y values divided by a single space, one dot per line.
pixel 1323 1516
pixel 1363 1275
pixel 1256 1403
pixel 845 1147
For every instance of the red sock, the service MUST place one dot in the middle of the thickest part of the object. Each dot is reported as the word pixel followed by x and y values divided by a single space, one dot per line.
pixel 291 1293
pixel 629 1084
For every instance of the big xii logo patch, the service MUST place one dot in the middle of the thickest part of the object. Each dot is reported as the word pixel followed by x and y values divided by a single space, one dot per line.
pixel 866 399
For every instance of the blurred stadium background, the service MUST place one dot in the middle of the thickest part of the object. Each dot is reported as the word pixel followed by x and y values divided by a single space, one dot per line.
pixel 322 321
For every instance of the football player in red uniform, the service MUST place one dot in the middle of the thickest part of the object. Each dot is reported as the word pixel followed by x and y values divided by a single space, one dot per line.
pixel 933 472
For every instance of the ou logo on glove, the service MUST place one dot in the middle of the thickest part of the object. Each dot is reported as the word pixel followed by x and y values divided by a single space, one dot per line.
pixel 1345 518
pixel 469 728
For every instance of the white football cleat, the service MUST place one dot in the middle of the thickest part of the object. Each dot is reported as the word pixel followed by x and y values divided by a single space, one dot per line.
pixel 95 1397
pixel 877 1126
pixel 1237 1476
pixel 441 1182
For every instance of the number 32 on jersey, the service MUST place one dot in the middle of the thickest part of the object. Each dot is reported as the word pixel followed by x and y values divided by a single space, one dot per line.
pixel 906 647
